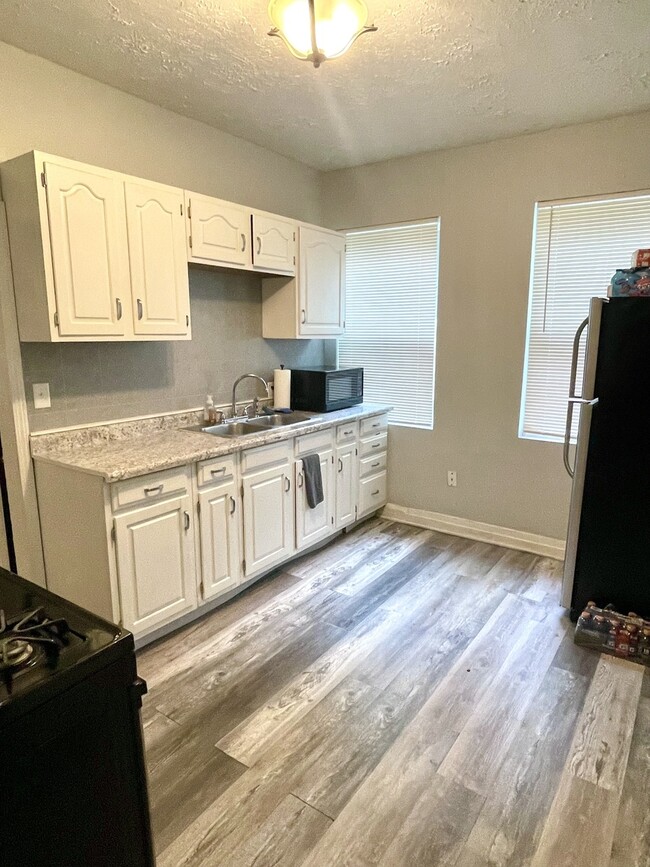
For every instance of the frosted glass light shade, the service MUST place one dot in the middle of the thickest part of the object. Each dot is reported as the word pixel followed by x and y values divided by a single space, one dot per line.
pixel 317 30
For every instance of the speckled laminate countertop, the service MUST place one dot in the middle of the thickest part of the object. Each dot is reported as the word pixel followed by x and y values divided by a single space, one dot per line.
pixel 136 450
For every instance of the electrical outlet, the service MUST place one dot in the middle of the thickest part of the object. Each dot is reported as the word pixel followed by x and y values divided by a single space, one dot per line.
pixel 41 395
pixel 451 478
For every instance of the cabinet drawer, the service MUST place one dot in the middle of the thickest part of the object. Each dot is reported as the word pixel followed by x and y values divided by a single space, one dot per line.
pixel 373 446
pixel 315 442
pixel 215 470
pixel 347 433
pixel 372 493
pixel 266 456
pixel 151 487
pixel 374 424
pixel 371 465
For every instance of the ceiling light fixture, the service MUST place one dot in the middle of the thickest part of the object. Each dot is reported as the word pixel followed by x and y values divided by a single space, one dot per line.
pixel 318 30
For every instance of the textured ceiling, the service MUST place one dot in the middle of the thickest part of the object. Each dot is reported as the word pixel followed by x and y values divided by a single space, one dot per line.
pixel 439 73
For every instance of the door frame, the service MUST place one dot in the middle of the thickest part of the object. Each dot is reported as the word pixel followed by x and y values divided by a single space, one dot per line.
pixel 14 428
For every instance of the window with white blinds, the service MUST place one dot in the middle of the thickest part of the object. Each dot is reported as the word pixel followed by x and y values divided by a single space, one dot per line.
pixel 577 246
pixel 391 306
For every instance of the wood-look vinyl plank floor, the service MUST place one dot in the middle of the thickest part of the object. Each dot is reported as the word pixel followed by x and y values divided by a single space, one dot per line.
pixel 400 697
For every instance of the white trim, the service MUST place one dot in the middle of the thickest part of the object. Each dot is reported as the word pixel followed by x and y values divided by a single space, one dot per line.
pixel 14 429
pixel 545 546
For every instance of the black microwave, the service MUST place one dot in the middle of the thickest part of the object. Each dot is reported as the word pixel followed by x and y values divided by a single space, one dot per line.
pixel 323 389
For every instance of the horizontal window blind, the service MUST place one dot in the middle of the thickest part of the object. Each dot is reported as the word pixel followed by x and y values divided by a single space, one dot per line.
pixel 577 246
pixel 391 304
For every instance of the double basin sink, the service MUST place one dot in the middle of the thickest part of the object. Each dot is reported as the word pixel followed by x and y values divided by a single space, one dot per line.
pixel 256 425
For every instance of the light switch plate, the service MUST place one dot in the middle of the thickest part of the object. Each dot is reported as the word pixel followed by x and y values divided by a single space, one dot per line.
pixel 41 395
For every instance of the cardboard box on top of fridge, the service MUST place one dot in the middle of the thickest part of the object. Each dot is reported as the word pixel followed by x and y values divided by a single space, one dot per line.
pixel 630 283
pixel 641 258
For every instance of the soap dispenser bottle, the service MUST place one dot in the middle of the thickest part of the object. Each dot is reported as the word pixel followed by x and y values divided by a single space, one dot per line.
pixel 209 412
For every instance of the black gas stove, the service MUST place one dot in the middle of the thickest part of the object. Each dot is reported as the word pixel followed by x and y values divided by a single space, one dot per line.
pixel 71 749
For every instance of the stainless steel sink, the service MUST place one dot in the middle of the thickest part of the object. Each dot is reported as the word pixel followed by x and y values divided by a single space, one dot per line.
pixel 229 429
pixel 254 425
pixel 281 419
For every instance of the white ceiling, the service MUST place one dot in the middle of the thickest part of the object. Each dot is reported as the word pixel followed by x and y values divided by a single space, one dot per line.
pixel 439 73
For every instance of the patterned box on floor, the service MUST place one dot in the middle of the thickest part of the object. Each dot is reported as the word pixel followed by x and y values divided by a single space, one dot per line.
pixel 607 631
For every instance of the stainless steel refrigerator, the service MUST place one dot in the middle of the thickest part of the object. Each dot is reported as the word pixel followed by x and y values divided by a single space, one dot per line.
pixel 608 538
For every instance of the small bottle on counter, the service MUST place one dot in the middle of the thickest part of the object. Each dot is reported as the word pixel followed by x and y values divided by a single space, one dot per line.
pixel 209 412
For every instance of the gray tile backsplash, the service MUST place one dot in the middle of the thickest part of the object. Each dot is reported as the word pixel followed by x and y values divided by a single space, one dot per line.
pixel 92 382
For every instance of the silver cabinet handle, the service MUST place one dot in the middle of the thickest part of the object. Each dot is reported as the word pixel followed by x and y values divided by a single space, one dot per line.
pixel 303 317
pixel 217 471
pixel 340 465
pixel 140 308
pixel 118 305
pixel 376 445
pixel 572 395
pixel 376 464
pixel 300 480
pixel 243 242
pixel 288 487
pixel 233 505
pixel 187 520
pixel 157 489
pixel 374 493
pixel 259 245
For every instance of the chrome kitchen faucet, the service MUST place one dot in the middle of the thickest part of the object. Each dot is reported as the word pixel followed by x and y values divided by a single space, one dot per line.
pixel 234 390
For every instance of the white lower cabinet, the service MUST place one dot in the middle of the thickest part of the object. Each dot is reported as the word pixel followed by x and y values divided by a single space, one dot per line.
pixel 155 563
pixel 346 485
pixel 220 539
pixel 268 518
pixel 312 525
pixel 133 558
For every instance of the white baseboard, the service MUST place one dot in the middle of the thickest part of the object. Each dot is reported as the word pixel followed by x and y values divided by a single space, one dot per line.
pixel 504 536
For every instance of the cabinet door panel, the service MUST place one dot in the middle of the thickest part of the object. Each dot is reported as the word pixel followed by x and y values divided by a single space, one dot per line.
pixel 268 519
pixel 155 563
pixel 158 259
pixel 322 282
pixel 346 485
pixel 88 242
pixel 274 244
pixel 220 546
pixel 219 231
pixel 312 525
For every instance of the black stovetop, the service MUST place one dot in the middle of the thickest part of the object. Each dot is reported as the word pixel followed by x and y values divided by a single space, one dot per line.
pixel 81 643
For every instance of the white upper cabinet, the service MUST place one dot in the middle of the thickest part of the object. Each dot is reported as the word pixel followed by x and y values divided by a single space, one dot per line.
pixel 313 303
pixel 322 275
pixel 159 278
pixel 274 243
pixel 87 245
pixel 91 277
pixel 218 232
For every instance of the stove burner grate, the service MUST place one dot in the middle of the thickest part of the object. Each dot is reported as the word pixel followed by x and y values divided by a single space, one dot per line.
pixel 25 638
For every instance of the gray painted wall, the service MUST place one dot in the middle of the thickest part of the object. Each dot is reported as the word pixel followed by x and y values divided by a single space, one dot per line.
pixel 101 381
pixel 485 196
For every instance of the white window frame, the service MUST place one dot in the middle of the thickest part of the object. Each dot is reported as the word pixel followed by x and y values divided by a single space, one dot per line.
pixel 405 224
pixel 576 200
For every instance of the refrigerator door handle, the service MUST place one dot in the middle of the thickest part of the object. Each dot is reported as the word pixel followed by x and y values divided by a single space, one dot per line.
pixel 573 398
